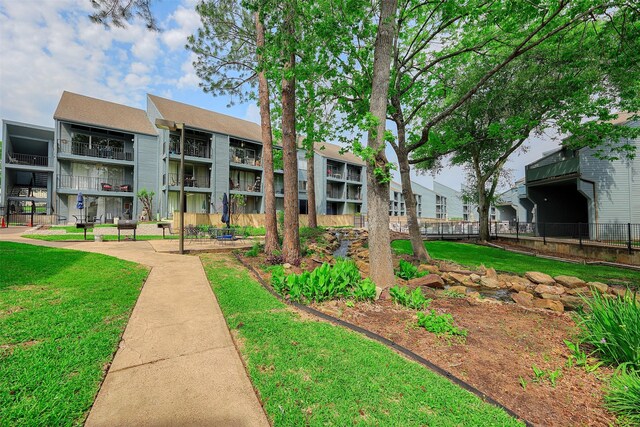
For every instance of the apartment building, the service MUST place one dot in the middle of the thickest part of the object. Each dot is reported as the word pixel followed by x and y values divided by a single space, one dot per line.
pixel 514 205
pixel 442 202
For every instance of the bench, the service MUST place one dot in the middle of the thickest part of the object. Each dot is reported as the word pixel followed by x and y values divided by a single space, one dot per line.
pixel 84 226
pixel 127 224
pixel 165 226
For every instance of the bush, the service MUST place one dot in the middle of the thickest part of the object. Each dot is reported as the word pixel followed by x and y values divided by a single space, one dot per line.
pixel 415 300
pixel 255 250
pixel 612 326
pixel 623 396
pixel 439 324
pixel 325 282
pixel 408 271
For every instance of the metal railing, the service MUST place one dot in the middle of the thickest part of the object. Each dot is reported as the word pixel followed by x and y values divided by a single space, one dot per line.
pixel 335 193
pixel 76 182
pixel 334 172
pixel 247 185
pixel 244 156
pixel 27 159
pixel 191 149
pixel 93 150
pixel 189 181
pixel 354 176
pixel 354 195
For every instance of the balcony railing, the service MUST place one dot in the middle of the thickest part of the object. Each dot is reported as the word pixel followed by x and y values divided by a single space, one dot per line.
pixel 244 156
pixel 564 167
pixel 92 150
pixel 335 193
pixel 334 172
pixel 248 185
pixel 191 149
pixel 76 182
pixel 189 181
pixel 27 159
pixel 351 176
pixel 354 195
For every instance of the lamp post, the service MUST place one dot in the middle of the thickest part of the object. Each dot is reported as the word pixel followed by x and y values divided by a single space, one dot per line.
pixel 173 126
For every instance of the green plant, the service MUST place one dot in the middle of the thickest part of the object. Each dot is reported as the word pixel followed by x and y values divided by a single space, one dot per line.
pixel 408 271
pixel 439 324
pixel 623 395
pixel 523 383
pixel 612 326
pixel 538 374
pixel 451 294
pixel 553 376
pixel 577 356
pixel 415 299
pixel 350 304
pixel 255 250
pixel 364 290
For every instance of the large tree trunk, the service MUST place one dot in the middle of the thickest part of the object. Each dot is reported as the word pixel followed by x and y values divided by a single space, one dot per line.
pixel 417 244
pixel 483 211
pixel 270 221
pixel 311 191
pixel 381 265
pixel 291 240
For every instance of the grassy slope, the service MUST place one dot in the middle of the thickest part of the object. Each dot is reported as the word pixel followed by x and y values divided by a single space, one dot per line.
pixel 62 314
pixel 475 255
pixel 313 373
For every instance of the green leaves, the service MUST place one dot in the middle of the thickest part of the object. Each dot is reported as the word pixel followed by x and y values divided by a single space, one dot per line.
pixel 414 299
pixel 439 324
pixel 407 271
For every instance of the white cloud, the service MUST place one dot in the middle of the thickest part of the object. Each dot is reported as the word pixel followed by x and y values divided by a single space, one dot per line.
pixel 253 113
pixel 189 78
pixel 187 20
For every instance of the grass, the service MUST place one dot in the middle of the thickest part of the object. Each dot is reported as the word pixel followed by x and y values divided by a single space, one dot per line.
pixel 74 229
pixel 474 255
pixel 91 236
pixel 62 314
pixel 313 373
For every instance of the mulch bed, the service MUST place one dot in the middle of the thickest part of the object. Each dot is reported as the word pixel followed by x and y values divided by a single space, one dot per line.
pixel 504 341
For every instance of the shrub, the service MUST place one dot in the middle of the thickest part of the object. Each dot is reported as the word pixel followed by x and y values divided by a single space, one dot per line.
pixel 612 326
pixel 623 396
pixel 415 299
pixel 408 271
pixel 275 259
pixel 325 282
pixel 255 250
pixel 439 324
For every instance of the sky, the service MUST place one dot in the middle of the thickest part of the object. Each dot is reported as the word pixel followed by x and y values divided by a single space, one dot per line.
pixel 49 46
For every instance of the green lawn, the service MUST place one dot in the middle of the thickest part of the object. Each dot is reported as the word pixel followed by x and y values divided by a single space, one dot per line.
pixel 313 373
pixel 474 255
pixel 62 313
pixel 90 236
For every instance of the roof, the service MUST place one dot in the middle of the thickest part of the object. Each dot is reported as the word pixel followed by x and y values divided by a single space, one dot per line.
pixel 96 112
pixel 332 151
pixel 199 118
pixel 623 118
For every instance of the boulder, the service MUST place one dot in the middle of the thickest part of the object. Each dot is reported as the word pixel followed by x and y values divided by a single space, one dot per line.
pixel 474 278
pixel 570 281
pixel 488 282
pixel 539 278
pixel 448 279
pixel 428 267
pixel 554 297
pixel 474 294
pixel 460 278
pixel 545 289
pixel 429 281
pixel 380 292
pixel 286 266
pixel 571 302
pixel 524 299
pixel 579 291
pixel 602 287
pixel 491 273
pixel 521 284
pixel 458 290
pixel 618 290
pixel 548 304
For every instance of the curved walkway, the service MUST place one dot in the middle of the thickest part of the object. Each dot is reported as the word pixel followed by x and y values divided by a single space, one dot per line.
pixel 176 364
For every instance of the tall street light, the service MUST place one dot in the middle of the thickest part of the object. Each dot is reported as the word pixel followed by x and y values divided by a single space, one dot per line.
pixel 173 126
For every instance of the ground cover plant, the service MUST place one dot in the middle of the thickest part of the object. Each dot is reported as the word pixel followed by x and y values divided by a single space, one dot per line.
pixel 475 255
pixel 413 299
pixel 439 323
pixel 62 314
pixel 314 373
pixel 342 280
pixel 408 271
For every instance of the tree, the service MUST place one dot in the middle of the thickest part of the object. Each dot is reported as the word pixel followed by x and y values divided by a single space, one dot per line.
pixel 119 12
pixel 229 48
pixel 146 198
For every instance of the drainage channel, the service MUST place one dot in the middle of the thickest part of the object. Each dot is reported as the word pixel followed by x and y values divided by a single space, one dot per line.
pixel 398 348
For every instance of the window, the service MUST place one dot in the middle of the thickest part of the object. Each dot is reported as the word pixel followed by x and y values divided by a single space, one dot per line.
pixel 441 207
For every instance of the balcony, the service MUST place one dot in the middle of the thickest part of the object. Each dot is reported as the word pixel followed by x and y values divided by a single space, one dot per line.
pixel 334 172
pixel 27 159
pixel 553 170
pixel 189 181
pixel 93 150
pixel 244 156
pixel 335 193
pixel 89 183
pixel 354 174
pixel 248 185
pixel 192 149
pixel 354 195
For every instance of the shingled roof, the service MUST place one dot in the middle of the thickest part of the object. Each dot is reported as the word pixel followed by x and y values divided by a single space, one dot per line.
pixel 200 118
pixel 96 112
pixel 332 151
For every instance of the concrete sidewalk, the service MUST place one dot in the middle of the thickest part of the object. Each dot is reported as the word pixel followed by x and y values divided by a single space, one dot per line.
pixel 177 364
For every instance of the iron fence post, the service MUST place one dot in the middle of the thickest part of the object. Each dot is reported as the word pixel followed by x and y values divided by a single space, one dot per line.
pixel 544 233
pixel 580 234
pixel 517 231
pixel 629 237
pixel 441 231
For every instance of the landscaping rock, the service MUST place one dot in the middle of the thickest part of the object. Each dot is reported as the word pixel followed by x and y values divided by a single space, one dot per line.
pixel 571 302
pixel 460 278
pixel 474 278
pixel 524 299
pixel 602 287
pixel 448 279
pixel 545 289
pixel 488 282
pixel 579 291
pixel 475 295
pixel 618 290
pixel 428 267
pixel 539 278
pixel 570 281
pixel 554 297
pixel 462 290
pixel 549 304
pixel 286 266
pixel 380 291
pixel 429 281
pixel 491 273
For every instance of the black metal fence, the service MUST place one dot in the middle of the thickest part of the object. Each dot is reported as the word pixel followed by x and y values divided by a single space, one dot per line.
pixel 31 218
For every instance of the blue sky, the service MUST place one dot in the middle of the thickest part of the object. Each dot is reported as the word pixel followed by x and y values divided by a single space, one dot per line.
pixel 49 46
